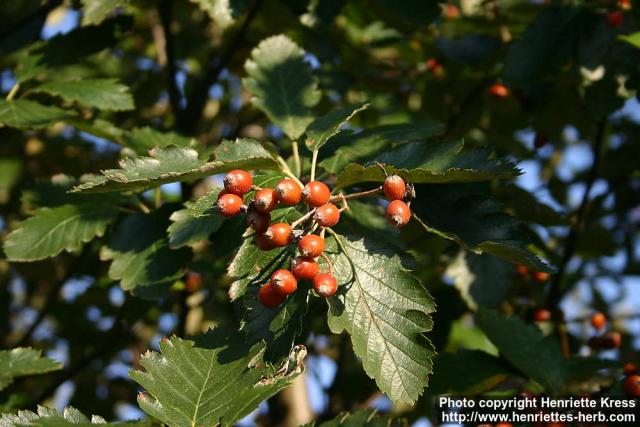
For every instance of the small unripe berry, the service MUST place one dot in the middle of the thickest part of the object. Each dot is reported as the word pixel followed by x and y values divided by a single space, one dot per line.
pixel 279 234
pixel 630 369
pixel 311 246
pixel 398 213
pixel 632 386
pixel 304 268
pixel 598 320
pixel 540 276
pixel 288 192
pixel 394 187
pixel 269 297
pixel 229 205
pixel 615 18
pixel 541 315
pixel 237 182
pixel 316 193
pixel 327 215
pixel 262 242
pixel 499 90
pixel 265 200
pixel 258 221
pixel 325 284
pixel 283 282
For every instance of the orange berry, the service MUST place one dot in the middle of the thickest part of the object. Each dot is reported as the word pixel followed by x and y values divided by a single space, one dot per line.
pixel 540 276
pixel 269 297
pixel 598 320
pixel 327 215
pixel 522 271
pixel 630 369
pixel 398 213
pixel 394 187
pixel 624 4
pixel 237 182
pixel 265 200
pixel 325 284
pixel 288 192
pixel 632 386
pixel 284 282
pixel 316 193
pixel 541 315
pixel 262 242
pixel 279 234
pixel 192 282
pixel 311 246
pixel 499 90
pixel 304 268
pixel 451 11
pixel 229 205
pixel 258 221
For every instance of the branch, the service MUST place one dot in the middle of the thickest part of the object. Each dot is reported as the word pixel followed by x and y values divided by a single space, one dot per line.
pixel 166 54
pixel 555 293
pixel 361 194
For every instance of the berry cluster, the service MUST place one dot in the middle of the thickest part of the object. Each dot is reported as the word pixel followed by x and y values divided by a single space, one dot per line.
pixel 323 213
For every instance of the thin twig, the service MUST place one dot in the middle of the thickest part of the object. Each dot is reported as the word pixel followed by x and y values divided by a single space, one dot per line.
pixel 303 218
pixel 296 158
pixel 13 92
pixel 341 196
pixel 314 160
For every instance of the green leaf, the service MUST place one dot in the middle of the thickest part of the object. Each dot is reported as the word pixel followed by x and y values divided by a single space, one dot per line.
pixel 362 417
pixel 466 214
pixel 143 139
pixel 23 114
pixel 178 164
pixel 363 146
pixel 528 208
pixel 468 372
pixel 633 39
pixel 104 94
pixel 223 12
pixel 430 163
pixel 196 222
pixel 10 170
pixel 49 417
pixel 141 258
pixel 282 84
pixel 386 310
pixel 20 362
pixel 96 11
pixel 481 279
pixel 209 380
pixel 53 230
pixel 324 127
pixel 524 346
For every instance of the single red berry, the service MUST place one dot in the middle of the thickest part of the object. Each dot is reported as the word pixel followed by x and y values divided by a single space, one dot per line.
pixel 325 284
pixel 632 386
pixel 311 246
pixel 624 4
pixel 288 192
pixel 237 182
pixel 192 282
pixel 541 315
pixel 266 200
pixel 327 215
pixel 269 297
pixel 283 282
pixel 540 140
pixel 451 11
pixel 279 234
pixel 499 90
pixel 262 242
pixel 630 369
pixel 615 18
pixel 598 320
pixel 398 213
pixel 613 339
pixel 394 187
pixel 522 271
pixel 316 193
pixel 304 268
pixel 540 276
pixel 229 205
pixel 504 425
pixel 257 220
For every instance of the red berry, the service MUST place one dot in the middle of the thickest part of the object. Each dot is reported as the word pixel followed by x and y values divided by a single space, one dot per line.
pixel 262 242
pixel 451 11
pixel 269 297
pixel 288 192
pixel 615 18
pixel 613 339
pixel 522 271
pixel 630 369
pixel 499 90
pixel 398 213
pixel 327 215
pixel 229 205
pixel 394 187
pixel 279 234
pixel 598 320
pixel 283 282
pixel 540 140
pixel 304 268
pixel 192 282
pixel 540 276
pixel 316 193
pixel 541 315
pixel 258 221
pixel 311 246
pixel 237 182
pixel 632 386
pixel 504 425
pixel 325 284
pixel 265 200
pixel 624 4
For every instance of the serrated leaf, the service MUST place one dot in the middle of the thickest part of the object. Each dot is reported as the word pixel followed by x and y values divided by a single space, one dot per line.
pixel 528 208
pixel 196 222
pixel 141 258
pixel 245 153
pixel 143 139
pixel 20 362
pixel 526 348
pixel 362 417
pixel 50 417
pixel 104 94
pixel 386 311
pixel 24 114
pixel 465 213
pixel 282 84
pixel 223 12
pixel 633 39
pixel 327 126
pixel 437 162
pixel 96 11
pixel 210 379
pixel 62 228
pixel 363 146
